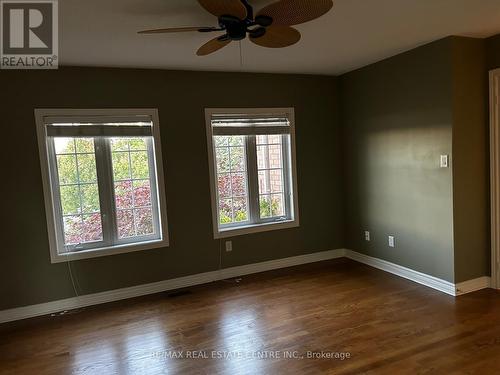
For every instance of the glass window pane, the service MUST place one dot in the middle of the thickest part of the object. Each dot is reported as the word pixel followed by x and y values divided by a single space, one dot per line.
pixel 144 221
pixel 277 205
pixel 236 140
pixel 221 140
pixel 140 164
pixel 138 144
pixel 70 199
pixel 133 194
pixel 90 198
pixel 274 156
pixel 133 197
pixel 269 157
pixel 237 159
pixel 92 228
pixel 222 159
pixel 225 211
pixel 270 175
pixel 64 145
pixel 84 145
pixel 125 221
pixel 274 139
pixel 262 139
pixel 224 185
pixel 66 169
pixel 265 206
pixel 269 139
pixel 238 184
pixel 276 180
pixel 262 159
pixel 142 193
pixel 123 194
pixel 86 168
pixel 264 182
pixel 78 189
pixel 73 230
pixel 121 170
pixel 119 144
pixel 76 160
pixel 230 158
pixel 240 209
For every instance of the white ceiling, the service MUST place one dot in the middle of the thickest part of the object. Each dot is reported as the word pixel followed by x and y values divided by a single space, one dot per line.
pixel 353 34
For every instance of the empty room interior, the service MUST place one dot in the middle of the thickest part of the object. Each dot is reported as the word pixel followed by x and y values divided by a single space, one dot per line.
pixel 250 187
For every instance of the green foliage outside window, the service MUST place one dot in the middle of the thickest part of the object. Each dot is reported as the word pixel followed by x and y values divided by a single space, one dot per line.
pixel 79 192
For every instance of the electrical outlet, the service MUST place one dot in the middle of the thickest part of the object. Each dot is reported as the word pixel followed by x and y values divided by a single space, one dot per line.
pixel 367 235
pixel 391 241
pixel 229 246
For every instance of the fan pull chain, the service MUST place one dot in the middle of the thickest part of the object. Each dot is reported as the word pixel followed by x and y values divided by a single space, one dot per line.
pixel 241 55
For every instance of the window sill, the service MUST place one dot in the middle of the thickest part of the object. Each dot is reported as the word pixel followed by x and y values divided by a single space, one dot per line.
pixel 105 251
pixel 255 228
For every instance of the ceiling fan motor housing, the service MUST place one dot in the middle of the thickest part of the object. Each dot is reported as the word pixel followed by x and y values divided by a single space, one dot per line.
pixel 263 20
pixel 236 29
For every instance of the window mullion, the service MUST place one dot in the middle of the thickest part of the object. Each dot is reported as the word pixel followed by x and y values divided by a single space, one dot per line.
pixel 106 191
pixel 154 187
pixel 54 177
pixel 286 175
pixel 253 179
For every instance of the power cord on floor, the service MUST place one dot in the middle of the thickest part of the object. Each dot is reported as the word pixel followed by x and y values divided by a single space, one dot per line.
pixel 241 55
pixel 72 279
pixel 76 286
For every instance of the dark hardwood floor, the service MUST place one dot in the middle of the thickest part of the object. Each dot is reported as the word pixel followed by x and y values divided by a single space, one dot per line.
pixel 377 322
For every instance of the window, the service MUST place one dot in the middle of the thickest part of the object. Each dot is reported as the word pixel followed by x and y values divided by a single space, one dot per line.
pixel 103 181
pixel 252 168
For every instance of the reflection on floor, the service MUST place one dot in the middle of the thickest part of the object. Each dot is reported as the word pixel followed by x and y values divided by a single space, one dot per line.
pixel 336 317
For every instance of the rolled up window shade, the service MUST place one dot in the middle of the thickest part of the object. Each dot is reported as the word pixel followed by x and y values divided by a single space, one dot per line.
pixel 249 125
pixel 96 126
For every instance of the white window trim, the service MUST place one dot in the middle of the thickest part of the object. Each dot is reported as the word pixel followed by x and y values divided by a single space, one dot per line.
pixel 51 215
pixel 259 227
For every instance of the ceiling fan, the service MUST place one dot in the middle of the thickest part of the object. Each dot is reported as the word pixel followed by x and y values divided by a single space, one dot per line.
pixel 270 27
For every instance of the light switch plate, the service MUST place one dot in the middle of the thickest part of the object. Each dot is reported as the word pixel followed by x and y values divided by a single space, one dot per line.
pixel 229 246
pixel 367 235
pixel 444 161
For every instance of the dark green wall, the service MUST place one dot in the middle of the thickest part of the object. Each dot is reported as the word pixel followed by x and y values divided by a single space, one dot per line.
pixel 399 115
pixel 471 214
pixel 368 159
pixel 28 277
pixel 397 118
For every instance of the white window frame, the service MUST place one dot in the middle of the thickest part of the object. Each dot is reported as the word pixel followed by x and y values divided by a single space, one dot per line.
pixel 264 225
pixel 50 187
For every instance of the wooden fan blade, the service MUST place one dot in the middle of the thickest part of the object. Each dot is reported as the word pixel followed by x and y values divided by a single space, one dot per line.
pixel 293 12
pixel 225 8
pixel 173 30
pixel 212 46
pixel 278 37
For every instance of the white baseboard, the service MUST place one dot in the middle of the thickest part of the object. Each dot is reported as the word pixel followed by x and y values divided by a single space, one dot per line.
pixel 407 273
pixel 161 286
pixel 226 273
pixel 473 285
pixel 421 278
